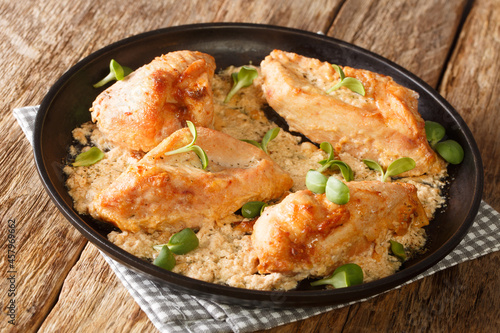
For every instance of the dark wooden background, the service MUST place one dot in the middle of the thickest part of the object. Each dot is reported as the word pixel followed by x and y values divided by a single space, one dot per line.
pixel 64 285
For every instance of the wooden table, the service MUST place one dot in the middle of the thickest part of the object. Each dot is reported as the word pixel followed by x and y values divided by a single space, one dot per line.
pixel 62 282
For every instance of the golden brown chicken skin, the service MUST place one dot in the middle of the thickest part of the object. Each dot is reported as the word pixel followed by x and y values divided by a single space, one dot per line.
pixel 156 100
pixel 162 190
pixel 383 125
pixel 306 233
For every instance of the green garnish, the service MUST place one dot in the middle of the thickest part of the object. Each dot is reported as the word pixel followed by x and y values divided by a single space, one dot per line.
pixel 450 150
pixel 116 72
pixel 344 276
pixel 252 209
pixel 89 157
pixel 165 259
pixel 181 242
pixel 434 131
pixel 330 162
pixel 351 83
pixel 397 167
pixel 242 79
pixel 191 147
pixel 336 191
pixel 316 181
pixel 398 250
pixel 270 135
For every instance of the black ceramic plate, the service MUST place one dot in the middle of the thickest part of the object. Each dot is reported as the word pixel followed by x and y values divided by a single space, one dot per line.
pixel 67 103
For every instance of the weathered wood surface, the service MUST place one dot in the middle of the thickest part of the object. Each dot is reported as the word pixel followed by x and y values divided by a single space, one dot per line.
pixel 426 37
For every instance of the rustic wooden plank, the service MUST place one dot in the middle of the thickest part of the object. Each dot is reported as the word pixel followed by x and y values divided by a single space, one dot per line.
pixel 415 34
pixel 94 300
pixel 46 247
pixel 472 85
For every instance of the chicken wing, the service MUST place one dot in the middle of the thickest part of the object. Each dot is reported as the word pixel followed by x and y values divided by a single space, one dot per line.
pixel 155 100
pixel 162 190
pixel 307 233
pixel 383 125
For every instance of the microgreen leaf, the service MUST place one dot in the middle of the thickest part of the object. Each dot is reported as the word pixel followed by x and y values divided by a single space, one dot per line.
pixel 339 71
pixel 165 259
pixel 374 166
pixel 344 276
pixel 191 147
pixel 252 209
pixel 183 242
pixel 242 79
pixel 336 191
pixel 350 83
pixel 399 166
pixel 193 131
pixel 201 155
pixel 316 181
pixel 116 72
pixel 89 157
pixel 434 132
pixel 253 142
pixel 345 169
pixel 451 151
pixel 270 135
pixel 398 249
pixel 327 148
pixel 354 85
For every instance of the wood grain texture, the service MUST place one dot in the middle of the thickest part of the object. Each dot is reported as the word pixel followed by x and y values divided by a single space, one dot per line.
pixel 89 292
pixel 472 85
pixel 36 47
pixel 417 35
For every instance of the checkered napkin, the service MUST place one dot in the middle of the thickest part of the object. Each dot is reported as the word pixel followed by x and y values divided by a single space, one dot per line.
pixel 173 311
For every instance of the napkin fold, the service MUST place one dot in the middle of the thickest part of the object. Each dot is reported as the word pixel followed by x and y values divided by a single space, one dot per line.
pixel 172 311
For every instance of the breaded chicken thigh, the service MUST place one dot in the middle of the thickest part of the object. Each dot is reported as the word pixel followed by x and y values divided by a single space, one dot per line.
pixel 162 190
pixel 306 233
pixel 383 125
pixel 156 100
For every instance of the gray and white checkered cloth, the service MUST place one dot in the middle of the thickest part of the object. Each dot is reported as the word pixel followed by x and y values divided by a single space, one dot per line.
pixel 173 311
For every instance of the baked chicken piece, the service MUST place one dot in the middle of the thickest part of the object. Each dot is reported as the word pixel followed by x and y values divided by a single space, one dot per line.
pixel 164 190
pixel 306 233
pixel 156 100
pixel 383 125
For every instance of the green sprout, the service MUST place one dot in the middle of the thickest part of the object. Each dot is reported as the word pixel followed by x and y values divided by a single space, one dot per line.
pixel 165 259
pixel 180 243
pixel 336 190
pixel 450 150
pixel 192 147
pixel 242 79
pixel 270 135
pixel 398 250
pixel 253 208
pixel 116 72
pixel 351 83
pixel 89 157
pixel 395 168
pixel 344 276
